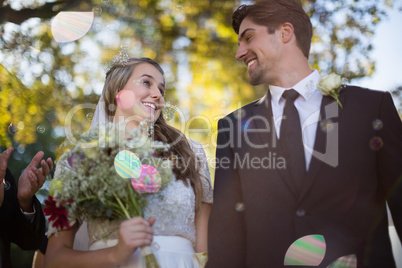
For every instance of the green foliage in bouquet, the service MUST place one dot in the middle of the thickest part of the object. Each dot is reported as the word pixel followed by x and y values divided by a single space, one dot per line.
pixel 88 186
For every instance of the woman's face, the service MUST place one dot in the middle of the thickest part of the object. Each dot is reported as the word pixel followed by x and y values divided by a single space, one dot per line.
pixel 142 96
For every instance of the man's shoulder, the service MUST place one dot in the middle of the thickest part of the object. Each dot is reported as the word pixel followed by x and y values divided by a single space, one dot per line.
pixel 351 90
pixel 364 98
pixel 242 112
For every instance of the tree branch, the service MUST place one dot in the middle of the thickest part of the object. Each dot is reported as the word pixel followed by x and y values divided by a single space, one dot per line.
pixel 47 11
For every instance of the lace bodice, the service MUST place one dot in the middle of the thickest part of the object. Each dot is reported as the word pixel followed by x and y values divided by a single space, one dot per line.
pixel 173 208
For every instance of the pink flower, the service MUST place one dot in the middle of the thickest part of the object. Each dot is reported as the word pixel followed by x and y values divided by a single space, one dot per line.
pixel 57 213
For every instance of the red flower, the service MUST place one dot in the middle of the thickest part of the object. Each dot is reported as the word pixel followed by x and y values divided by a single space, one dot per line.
pixel 57 213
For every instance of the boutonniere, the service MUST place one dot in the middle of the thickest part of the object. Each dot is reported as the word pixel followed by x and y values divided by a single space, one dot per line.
pixel 330 85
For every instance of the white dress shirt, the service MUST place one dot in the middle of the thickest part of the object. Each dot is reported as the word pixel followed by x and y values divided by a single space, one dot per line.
pixel 29 215
pixel 308 106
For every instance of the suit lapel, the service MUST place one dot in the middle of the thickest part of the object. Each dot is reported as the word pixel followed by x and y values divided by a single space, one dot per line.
pixel 262 110
pixel 325 141
pixel 263 107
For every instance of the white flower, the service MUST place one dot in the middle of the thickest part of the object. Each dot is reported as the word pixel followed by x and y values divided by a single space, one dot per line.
pixel 329 85
pixel 55 186
pixel 92 151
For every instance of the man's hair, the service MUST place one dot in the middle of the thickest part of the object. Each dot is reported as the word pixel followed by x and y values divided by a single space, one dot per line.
pixel 272 14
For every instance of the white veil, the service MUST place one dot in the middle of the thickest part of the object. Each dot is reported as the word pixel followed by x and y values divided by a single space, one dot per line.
pixel 81 239
pixel 100 118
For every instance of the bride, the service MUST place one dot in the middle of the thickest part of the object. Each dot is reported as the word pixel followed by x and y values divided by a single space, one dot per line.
pixel 176 226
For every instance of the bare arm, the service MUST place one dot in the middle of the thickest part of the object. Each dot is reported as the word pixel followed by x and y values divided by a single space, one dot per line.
pixel 201 227
pixel 38 260
pixel 133 233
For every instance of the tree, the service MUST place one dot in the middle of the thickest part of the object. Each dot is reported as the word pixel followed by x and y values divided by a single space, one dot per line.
pixel 192 39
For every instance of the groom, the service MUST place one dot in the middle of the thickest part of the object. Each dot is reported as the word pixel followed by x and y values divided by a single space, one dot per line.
pixel 299 164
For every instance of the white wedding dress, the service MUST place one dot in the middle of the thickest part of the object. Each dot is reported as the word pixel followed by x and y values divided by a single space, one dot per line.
pixel 174 228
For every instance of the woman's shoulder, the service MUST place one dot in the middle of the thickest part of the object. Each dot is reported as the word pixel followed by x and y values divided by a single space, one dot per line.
pixel 63 163
pixel 202 161
pixel 196 147
pixel 198 150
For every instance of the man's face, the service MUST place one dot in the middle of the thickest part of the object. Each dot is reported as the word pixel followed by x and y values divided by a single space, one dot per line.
pixel 260 51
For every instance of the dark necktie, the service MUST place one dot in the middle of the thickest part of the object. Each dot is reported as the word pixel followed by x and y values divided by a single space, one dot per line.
pixel 291 138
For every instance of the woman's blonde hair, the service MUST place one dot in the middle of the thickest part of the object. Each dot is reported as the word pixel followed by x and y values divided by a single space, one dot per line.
pixel 186 164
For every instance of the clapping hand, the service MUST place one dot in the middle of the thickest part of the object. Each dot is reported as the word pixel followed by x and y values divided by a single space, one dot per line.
pixel 4 156
pixel 32 179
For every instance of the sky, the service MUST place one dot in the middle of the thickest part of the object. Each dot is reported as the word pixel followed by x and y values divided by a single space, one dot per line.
pixel 387 53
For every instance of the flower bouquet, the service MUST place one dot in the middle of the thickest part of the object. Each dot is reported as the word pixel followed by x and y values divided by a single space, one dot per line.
pixel 108 176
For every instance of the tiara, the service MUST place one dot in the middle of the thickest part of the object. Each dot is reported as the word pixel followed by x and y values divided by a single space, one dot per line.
pixel 120 59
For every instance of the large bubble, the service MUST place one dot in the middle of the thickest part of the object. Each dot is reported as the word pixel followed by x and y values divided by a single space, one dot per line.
pixel 127 164
pixel 149 181
pixel 71 26
pixel 308 250
pixel 125 99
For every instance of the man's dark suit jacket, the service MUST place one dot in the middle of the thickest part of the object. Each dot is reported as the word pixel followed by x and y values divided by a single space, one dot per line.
pixel 258 213
pixel 15 228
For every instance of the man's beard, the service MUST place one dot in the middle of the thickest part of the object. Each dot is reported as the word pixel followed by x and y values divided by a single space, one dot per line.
pixel 256 76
